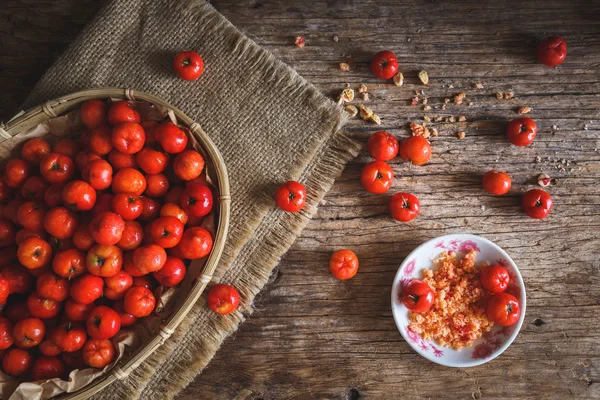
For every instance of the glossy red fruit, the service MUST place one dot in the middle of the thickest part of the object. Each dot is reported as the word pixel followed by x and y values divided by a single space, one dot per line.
pixel 6 334
pixel 60 223
pixel 494 278
pixel 67 147
pixel 122 111
pixel 151 209
pixel 53 287
pixel 87 289
pixel 157 185
pixel 149 127
pixel 30 215
pixel 74 359
pixel 47 368
pixel 132 237
pixel 171 138
pixel 188 165
pixel 29 332
pixel 98 173
pixel 139 301
pixel 16 172
pixel 53 195
pixel 120 160
pixel 384 64
pixel 415 149
pixel 103 204
pixel 93 113
pixel 521 131
pixel 42 308
pixel 196 242
pixel 16 362
pixel 5 192
pixel 291 197
pixel 98 353
pixel 4 290
pixel 343 264
pixel 152 161
pixel 82 238
pixel 117 285
pixel 104 260
pixel 57 168
pixel 128 206
pixel 49 348
pixel 383 146
pixel 551 51
pixel 129 180
pixel 503 309
pixel 537 203
pixel 404 207
pixel 188 65
pixel 166 231
pixel 149 258
pixel 18 277
pixel 128 137
pixel 34 253
pixel 126 318
pixel 417 296
pixel 174 210
pixel 101 140
pixel 69 336
pixel 34 150
pixel 103 323
pixel 496 182
pixel 377 177
pixel 69 264
pixel 172 273
pixel 197 199
pixel 10 210
pixel 8 233
pixel 107 228
pixel 223 299
pixel 84 157
pixel 79 196
pixel 34 188
pixel 77 312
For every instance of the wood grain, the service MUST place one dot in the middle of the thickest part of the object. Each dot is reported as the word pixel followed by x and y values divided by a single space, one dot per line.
pixel 314 337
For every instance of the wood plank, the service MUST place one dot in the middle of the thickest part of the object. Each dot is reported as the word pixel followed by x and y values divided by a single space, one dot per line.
pixel 314 337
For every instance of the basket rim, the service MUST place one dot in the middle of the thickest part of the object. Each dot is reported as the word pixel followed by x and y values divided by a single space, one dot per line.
pixel 59 105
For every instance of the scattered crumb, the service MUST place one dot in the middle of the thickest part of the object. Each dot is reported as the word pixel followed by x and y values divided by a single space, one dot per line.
pixel 451 119
pixel 345 66
pixel 461 135
pixel 462 118
pixel 555 127
pixel 446 100
pixel 365 112
pixel 414 101
pixel 424 77
pixel 424 101
pixel 437 119
pixel 426 108
pixel 419 130
pixel 347 96
pixel 509 95
pixel 398 79
pixel 335 39
pixel 478 86
pixel 362 88
pixel 443 106
pixel 524 110
pixel 538 159
pixel 458 99
pixel 421 92
pixel 544 180
pixel 300 42
pixel 353 111
pixel 375 118
pixel 470 103
pixel 434 132
pixel 450 86
pixel 499 95
pixel 482 207
pixel 426 118
pixel 365 96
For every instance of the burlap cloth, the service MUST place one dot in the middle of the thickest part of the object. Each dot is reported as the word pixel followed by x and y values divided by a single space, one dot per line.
pixel 268 122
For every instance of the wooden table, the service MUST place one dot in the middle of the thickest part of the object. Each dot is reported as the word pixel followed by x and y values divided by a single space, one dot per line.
pixel 314 337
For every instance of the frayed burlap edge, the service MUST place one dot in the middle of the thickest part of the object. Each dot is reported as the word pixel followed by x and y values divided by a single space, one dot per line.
pixel 335 152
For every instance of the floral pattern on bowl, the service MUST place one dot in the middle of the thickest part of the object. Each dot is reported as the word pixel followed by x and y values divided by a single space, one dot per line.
pixel 494 342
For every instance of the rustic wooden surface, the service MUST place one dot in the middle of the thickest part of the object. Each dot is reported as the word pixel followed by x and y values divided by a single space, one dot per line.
pixel 314 337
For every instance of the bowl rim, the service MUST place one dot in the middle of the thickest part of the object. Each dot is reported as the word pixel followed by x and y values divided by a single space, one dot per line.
pixel 497 351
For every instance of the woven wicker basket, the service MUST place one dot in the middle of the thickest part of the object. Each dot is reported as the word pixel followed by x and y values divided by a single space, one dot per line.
pixel 61 105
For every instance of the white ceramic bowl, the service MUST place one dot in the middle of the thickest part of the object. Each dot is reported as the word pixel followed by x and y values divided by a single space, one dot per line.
pixel 484 349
